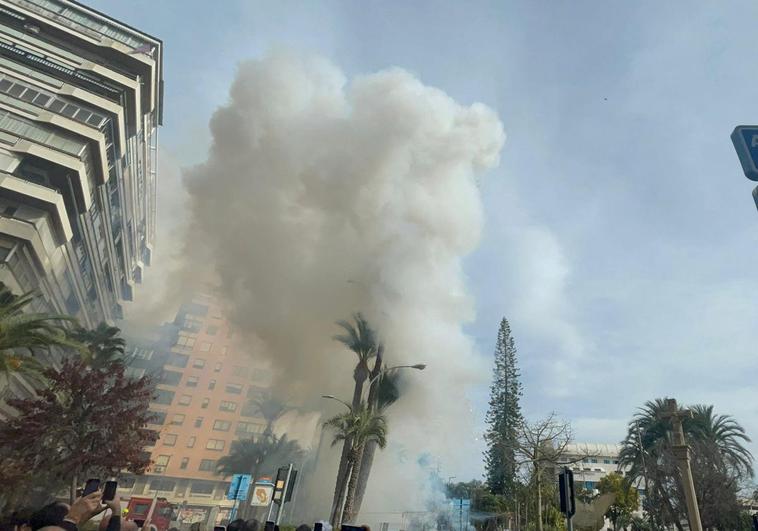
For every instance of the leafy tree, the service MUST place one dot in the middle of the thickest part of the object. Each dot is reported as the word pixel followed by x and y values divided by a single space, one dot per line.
pixel 720 462
pixel 359 425
pixel 626 502
pixel 21 329
pixel 102 346
pixel 360 339
pixel 542 445
pixel 503 417
pixel 271 409
pixel 86 422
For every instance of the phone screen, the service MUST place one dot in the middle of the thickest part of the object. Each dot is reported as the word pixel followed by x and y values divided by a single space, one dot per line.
pixel 219 528
pixel 269 526
pixel 91 486
pixel 318 526
pixel 109 491
pixel 351 528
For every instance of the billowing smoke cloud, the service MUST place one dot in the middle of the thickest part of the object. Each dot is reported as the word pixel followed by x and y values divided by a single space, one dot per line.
pixel 323 196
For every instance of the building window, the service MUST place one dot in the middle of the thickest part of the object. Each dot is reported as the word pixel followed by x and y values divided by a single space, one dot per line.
pixel 191 442
pixel 169 439
pixel 178 360
pixel 202 488
pixel 615 461
pixel 185 400
pixel 218 367
pixel 161 462
pixel 170 377
pixel 212 385
pixel 177 420
pixel 215 444
pixel 185 462
pixel 228 406
pixel 593 460
pixel 249 428
pixel 222 425
pixel 142 354
pixel 192 381
pixel 205 403
pixel 198 422
pixel 163 397
pixel 186 342
pixel 162 485
pixel 157 417
pixel 212 330
pixel 607 461
pixel 207 465
pixel 234 389
pixel 199 363
pixel 205 346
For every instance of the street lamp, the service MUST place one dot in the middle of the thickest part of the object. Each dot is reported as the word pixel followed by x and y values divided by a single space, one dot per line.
pixel 332 397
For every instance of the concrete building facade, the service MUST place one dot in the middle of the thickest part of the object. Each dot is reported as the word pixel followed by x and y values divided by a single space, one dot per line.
pixel 80 106
pixel 207 393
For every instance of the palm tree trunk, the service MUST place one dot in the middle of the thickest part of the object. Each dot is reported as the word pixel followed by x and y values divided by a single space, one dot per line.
pixel 364 472
pixel 350 513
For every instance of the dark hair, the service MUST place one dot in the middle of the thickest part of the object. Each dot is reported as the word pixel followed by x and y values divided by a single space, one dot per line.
pixel 303 527
pixel 253 525
pixel 237 525
pixel 50 514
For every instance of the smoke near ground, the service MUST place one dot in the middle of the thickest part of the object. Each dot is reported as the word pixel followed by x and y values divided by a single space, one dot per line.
pixel 322 196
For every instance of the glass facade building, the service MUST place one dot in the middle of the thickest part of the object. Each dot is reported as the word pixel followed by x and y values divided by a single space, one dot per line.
pixel 80 106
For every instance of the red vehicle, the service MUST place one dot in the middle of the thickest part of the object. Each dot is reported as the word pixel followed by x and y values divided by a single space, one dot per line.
pixel 139 508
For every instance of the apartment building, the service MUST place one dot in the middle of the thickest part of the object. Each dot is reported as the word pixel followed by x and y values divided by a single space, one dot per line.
pixel 209 386
pixel 80 105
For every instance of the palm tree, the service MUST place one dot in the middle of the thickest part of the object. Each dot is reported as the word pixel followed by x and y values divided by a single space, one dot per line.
pixel 271 409
pixel 256 456
pixel 253 456
pixel 717 443
pixel 383 393
pixel 22 330
pixel 103 345
pixel 358 425
pixel 361 339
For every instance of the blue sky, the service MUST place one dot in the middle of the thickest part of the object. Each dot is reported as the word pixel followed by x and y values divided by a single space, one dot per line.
pixel 621 238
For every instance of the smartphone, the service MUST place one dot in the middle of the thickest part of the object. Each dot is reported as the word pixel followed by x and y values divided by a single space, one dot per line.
pixel 109 491
pixel 91 486
pixel 318 526
pixel 352 528
pixel 269 526
pixel 219 528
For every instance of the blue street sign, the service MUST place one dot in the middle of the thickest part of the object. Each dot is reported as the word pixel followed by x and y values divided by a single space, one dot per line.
pixel 239 487
pixel 745 140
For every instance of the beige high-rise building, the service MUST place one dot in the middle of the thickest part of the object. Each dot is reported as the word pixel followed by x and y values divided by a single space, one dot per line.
pixel 209 386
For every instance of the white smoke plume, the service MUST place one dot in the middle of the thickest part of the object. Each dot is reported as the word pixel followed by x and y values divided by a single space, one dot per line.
pixel 323 196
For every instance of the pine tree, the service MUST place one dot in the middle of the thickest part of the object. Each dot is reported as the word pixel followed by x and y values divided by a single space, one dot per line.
pixel 503 417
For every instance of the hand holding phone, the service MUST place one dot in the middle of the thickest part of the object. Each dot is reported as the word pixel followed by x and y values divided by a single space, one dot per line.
pixel 91 486
pixel 109 491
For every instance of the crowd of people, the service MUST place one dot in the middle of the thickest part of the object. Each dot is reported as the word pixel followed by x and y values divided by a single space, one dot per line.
pixel 59 516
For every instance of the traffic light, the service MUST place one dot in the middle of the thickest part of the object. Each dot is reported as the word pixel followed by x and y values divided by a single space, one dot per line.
pixel 566 492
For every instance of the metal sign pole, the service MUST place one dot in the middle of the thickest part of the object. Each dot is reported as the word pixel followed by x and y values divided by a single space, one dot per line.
pixel 284 494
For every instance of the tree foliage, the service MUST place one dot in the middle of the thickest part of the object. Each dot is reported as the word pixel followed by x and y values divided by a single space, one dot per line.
pixel 503 417
pixel 259 456
pixel 87 421
pixel 720 462
pixel 22 333
pixel 626 502
pixel 101 346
